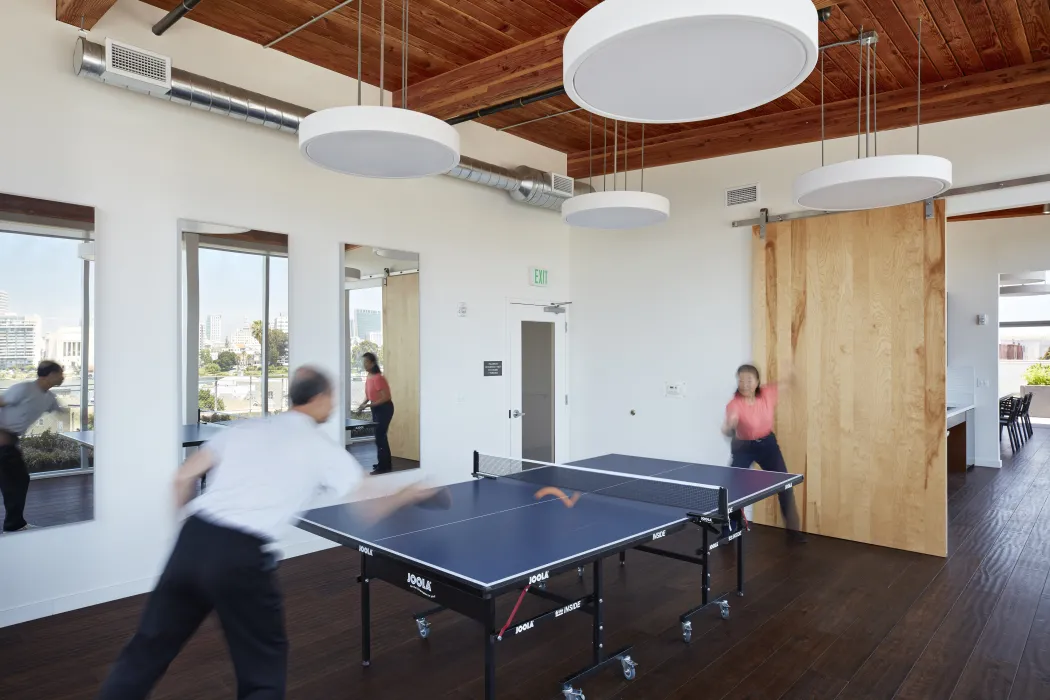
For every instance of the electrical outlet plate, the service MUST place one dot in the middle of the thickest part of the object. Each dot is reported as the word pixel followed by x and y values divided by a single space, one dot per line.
pixel 674 390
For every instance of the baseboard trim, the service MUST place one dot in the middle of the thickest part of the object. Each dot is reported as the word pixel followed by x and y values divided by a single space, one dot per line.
pixel 85 599
pixel 75 601
pixel 995 463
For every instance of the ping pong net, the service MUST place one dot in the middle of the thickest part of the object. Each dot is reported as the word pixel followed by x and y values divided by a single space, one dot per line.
pixel 694 499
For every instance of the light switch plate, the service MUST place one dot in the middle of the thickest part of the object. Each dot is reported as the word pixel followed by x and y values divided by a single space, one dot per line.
pixel 674 390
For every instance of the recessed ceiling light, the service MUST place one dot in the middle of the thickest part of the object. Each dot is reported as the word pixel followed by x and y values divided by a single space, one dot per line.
pixel 667 61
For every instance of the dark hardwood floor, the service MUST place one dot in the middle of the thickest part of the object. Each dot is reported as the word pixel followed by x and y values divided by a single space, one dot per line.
pixel 828 619
pixel 365 453
pixel 59 500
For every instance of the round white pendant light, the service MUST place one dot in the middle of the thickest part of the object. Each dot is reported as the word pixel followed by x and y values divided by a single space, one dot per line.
pixel 396 254
pixel 871 183
pixel 665 61
pixel 616 209
pixel 381 142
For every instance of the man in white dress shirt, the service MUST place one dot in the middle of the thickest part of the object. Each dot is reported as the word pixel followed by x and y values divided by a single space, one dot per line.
pixel 261 476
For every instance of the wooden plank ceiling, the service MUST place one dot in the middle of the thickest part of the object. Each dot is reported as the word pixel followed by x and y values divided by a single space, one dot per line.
pixel 979 56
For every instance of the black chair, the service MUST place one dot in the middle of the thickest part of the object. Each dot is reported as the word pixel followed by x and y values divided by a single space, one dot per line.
pixel 1026 419
pixel 1009 418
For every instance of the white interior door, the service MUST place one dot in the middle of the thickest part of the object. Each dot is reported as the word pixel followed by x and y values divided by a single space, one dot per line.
pixel 537 401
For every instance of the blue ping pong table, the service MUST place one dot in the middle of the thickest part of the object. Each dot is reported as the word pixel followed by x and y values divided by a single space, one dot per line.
pixel 517 523
pixel 193 434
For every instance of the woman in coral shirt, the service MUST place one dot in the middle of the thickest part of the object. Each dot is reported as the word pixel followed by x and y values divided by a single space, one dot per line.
pixel 749 421
pixel 377 395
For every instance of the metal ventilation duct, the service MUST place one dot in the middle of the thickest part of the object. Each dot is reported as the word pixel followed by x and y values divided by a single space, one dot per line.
pixel 527 185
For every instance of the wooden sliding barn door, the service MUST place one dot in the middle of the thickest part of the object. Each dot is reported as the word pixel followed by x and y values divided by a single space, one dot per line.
pixel 855 304
pixel 401 361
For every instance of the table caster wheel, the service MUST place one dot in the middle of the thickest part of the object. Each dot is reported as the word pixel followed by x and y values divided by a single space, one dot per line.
pixel 424 627
pixel 628 668
pixel 687 631
pixel 571 693
pixel 723 608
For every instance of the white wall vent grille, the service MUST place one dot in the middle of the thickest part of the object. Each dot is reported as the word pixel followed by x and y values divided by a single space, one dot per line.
pixel 135 69
pixel 748 194
pixel 563 184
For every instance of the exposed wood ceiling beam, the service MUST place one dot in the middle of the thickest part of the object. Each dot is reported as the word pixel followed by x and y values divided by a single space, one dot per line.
pixel 996 91
pixel 44 212
pixel 1017 212
pixel 527 69
pixel 82 12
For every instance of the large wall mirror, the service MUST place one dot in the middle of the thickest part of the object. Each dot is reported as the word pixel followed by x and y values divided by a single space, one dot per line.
pixel 47 388
pixel 235 327
pixel 381 331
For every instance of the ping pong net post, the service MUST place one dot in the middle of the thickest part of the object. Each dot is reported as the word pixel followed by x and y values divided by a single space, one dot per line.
pixel 702 502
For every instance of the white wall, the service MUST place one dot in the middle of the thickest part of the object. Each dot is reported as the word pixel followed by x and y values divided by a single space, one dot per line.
pixel 978 252
pixel 144 164
pixel 673 303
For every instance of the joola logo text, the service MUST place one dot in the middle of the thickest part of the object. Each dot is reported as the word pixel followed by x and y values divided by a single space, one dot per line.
pixel 364 550
pixel 536 578
pixel 420 584
pixel 568 608
pixel 524 627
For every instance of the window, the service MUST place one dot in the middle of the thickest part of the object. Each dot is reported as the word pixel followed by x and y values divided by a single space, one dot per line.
pixel 238 363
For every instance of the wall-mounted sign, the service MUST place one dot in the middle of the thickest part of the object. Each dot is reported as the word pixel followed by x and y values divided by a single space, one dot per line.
pixel 493 368
pixel 537 277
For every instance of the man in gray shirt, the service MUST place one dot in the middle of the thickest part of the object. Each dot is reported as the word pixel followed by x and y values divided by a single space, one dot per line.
pixel 264 474
pixel 20 407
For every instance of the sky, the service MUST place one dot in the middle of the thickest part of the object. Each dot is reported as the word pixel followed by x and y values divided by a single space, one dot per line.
pixel 42 275
pixel 231 285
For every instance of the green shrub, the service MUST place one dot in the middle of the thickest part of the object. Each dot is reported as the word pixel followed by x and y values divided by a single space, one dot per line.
pixel 49 451
pixel 1037 375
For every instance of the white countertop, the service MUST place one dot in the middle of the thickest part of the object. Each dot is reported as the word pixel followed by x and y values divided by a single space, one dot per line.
pixel 958 410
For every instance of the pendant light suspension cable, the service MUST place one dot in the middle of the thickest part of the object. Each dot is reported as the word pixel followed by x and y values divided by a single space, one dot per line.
pixel 360 5
pixel 918 100
pixel 382 50
pixel 860 89
pixel 642 185
pixel 821 109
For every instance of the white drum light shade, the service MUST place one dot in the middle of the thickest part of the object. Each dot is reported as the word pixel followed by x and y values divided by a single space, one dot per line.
pixel 381 142
pixel 615 210
pixel 663 61
pixel 871 183
pixel 207 229
pixel 396 254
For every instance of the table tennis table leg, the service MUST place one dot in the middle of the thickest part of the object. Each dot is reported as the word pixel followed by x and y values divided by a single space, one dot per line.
pixel 599 624
pixel 366 614
pixel 740 565
pixel 490 651
pixel 705 588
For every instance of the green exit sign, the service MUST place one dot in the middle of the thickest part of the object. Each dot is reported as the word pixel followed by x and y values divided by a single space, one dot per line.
pixel 537 277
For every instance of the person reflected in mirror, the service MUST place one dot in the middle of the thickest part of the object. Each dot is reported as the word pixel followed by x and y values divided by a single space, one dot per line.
pixel 264 474
pixel 749 422
pixel 377 397
pixel 20 407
